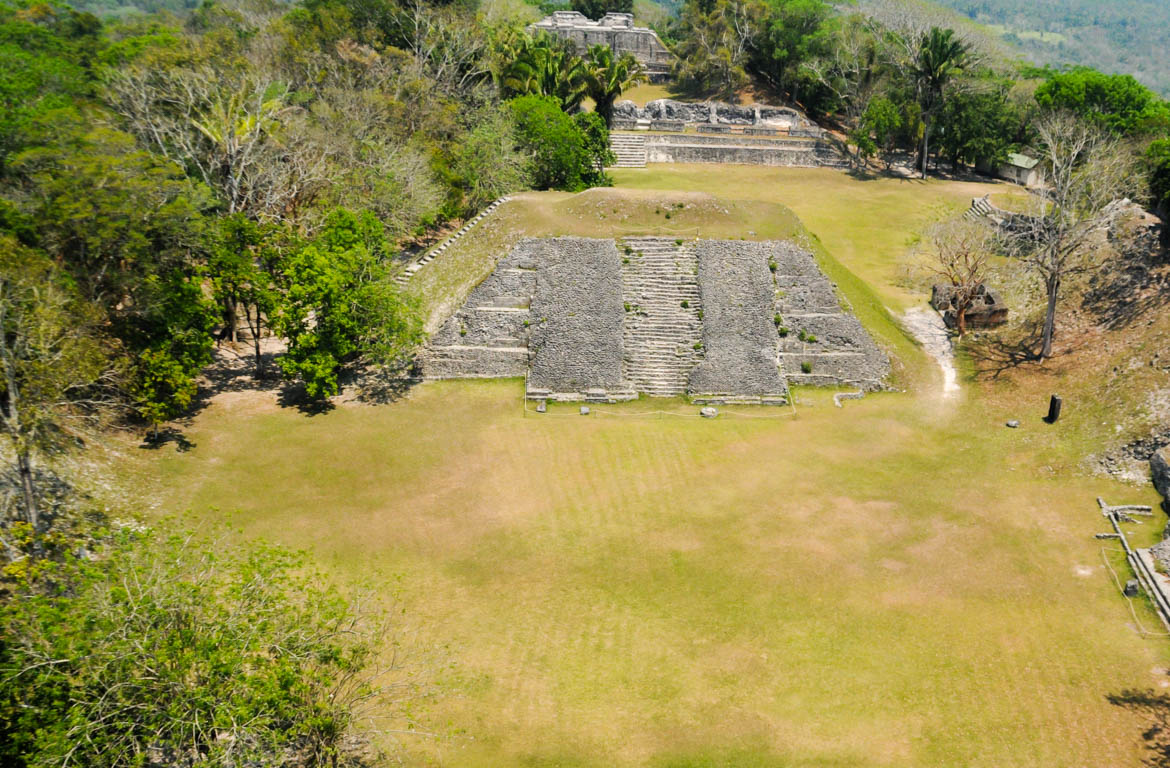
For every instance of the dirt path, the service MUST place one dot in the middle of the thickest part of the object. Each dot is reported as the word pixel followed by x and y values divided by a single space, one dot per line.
pixel 928 328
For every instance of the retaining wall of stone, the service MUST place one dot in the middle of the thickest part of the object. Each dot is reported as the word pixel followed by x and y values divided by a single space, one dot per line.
pixel 739 338
pixel 488 336
pixel 817 331
pixel 577 313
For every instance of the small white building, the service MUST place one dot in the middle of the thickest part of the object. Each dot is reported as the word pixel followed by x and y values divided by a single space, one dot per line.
pixel 1022 170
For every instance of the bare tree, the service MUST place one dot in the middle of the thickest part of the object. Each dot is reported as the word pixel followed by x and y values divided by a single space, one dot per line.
pixel 1087 173
pixel 960 249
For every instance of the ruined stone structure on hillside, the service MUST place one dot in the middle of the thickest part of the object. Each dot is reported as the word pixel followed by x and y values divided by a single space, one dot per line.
pixel 604 320
pixel 668 131
pixel 616 30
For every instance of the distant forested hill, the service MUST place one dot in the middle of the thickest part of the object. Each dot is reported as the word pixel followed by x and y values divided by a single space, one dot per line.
pixel 1123 36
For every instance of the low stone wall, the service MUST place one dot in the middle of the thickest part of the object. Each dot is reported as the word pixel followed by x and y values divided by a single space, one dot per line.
pixel 577 313
pixel 739 339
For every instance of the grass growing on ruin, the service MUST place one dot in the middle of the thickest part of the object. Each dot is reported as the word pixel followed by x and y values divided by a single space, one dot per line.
pixel 898 583
pixel 865 223
pixel 445 282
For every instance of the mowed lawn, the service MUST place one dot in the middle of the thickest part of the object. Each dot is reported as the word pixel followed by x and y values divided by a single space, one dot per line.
pixel 901 582
pixel 893 583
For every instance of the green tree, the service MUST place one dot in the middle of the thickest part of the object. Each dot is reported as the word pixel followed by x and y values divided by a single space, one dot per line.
pixel 715 45
pixel 44 56
pixel 791 33
pixel 878 127
pixel 608 76
pixel 1118 103
pixel 595 9
pixel 1158 161
pixel 560 153
pixel 341 307
pixel 546 66
pixel 240 265
pixel 979 125
pixel 941 56
pixel 130 229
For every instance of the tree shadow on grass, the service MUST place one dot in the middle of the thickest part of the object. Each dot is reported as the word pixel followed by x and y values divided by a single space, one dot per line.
pixel 293 395
pixel 1156 708
pixel 997 354
pixel 164 436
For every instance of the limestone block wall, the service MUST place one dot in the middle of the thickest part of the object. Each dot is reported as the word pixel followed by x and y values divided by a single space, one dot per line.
pixel 689 148
pixel 739 338
pixel 488 336
pixel 577 313
pixel 816 332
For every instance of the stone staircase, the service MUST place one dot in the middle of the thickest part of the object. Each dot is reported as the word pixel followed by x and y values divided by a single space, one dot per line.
pixel 659 334
pixel 980 207
pixel 409 271
pixel 629 149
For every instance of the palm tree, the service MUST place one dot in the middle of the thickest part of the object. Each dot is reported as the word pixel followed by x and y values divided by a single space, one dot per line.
pixel 941 56
pixel 608 76
pixel 543 66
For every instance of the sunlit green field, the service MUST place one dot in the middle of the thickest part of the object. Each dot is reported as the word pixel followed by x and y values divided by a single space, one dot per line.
pixel 901 582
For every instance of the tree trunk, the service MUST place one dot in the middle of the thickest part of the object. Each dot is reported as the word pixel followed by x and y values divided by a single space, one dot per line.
pixel 256 327
pixel 925 145
pixel 961 320
pixel 24 462
pixel 1053 286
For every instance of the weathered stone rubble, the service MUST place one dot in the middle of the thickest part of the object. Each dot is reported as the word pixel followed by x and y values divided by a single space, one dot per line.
pixel 739 337
pixel 576 339
pixel 986 311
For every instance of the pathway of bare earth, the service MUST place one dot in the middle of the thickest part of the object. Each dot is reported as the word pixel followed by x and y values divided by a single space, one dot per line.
pixel 902 582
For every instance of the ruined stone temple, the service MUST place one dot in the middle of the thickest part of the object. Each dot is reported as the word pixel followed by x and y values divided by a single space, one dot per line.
pixel 603 320
pixel 616 30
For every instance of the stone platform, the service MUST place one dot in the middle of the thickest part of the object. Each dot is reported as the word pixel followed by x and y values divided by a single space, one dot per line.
pixel 600 320
pixel 636 149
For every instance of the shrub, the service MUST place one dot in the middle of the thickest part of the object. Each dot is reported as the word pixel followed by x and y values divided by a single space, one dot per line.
pixel 697 346
pixel 806 367
pixel 185 652
pixel 678 241
pixel 772 265
pixel 563 152
pixel 685 304
pixel 627 306
pixel 777 319
pixel 782 331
